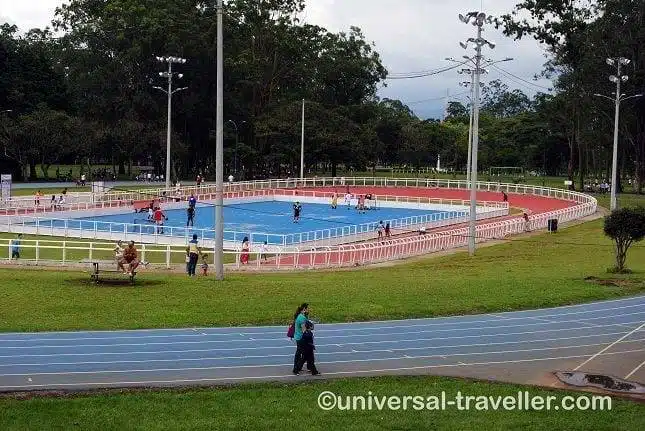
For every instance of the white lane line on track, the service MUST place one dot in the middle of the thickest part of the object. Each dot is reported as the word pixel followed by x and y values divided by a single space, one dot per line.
pixel 394 341
pixel 291 376
pixel 609 347
pixel 319 337
pixel 632 372
pixel 357 326
pixel 157 370
pixel 323 353
pixel 590 325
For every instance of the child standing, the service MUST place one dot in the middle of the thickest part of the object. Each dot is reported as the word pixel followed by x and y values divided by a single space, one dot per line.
pixel 263 251
pixel 308 351
pixel 204 265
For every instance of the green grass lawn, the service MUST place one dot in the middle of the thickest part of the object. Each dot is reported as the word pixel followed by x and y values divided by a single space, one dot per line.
pixel 76 170
pixel 531 272
pixel 287 407
pixel 55 189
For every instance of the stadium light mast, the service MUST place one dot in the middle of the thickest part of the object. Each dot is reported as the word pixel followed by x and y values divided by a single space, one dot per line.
pixel 219 151
pixel 169 75
pixel 616 79
pixel 478 19
pixel 302 145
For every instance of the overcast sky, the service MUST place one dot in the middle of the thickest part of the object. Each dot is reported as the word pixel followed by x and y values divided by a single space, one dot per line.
pixel 410 36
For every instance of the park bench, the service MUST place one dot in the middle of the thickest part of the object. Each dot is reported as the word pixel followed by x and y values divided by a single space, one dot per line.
pixel 98 274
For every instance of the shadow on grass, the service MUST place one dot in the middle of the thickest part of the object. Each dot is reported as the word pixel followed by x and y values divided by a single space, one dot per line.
pixel 113 282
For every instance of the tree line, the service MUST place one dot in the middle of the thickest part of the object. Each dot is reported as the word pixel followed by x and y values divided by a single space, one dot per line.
pixel 81 91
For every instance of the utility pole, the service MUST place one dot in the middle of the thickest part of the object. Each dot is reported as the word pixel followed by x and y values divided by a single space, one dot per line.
pixel 219 151
pixel 478 19
pixel 302 145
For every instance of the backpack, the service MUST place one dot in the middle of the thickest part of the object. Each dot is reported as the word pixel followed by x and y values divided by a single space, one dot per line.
pixel 292 330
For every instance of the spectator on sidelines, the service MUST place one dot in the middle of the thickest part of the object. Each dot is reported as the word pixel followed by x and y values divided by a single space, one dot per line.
pixel 193 252
pixel 131 257
pixel 15 247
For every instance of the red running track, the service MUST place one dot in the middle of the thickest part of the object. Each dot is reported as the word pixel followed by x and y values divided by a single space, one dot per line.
pixel 535 204
pixel 531 204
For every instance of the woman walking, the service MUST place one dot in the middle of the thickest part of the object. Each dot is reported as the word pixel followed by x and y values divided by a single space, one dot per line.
pixel 304 342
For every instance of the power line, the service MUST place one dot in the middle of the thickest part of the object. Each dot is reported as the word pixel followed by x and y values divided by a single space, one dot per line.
pixel 424 74
pixel 520 79
pixel 437 98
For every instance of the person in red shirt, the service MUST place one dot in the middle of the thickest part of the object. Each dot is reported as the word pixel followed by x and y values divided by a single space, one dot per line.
pixel 159 217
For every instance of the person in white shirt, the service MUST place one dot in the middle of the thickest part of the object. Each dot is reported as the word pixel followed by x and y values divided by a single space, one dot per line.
pixel 380 229
pixel 348 200
pixel 264 248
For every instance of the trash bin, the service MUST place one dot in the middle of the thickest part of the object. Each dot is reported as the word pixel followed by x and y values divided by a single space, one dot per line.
pixel 552 225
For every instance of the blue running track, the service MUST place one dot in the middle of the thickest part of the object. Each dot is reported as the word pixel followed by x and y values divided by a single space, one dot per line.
pixel 606 336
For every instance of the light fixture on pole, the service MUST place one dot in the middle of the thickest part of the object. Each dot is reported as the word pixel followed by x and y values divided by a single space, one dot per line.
pixel 169 75
pixel 219 150
pixel 616 79
pixel 478 19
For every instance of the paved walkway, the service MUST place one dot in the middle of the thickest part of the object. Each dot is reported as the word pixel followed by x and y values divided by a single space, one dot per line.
pixel 522 347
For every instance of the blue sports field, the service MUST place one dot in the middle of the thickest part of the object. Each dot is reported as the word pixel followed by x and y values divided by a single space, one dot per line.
pixel 270 221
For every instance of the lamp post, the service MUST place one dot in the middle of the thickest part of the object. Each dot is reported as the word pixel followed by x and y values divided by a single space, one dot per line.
pixel 617 79
pixel 302 145
pixel 169 93
pixel 478 19
pixel 219 150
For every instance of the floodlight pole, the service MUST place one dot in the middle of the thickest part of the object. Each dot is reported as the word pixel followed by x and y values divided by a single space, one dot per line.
pixel 169 93
pixel 470 130
pixel 169 126
pixel 478 20
pixel 219 152
pixel 617 79
pixel 302 145
pixel 614 157
pixel 474 147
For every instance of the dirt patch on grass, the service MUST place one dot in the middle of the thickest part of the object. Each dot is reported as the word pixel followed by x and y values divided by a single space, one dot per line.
pixel 616 282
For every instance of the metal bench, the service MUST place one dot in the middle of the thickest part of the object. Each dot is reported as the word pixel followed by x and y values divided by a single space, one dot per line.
pixel 97 274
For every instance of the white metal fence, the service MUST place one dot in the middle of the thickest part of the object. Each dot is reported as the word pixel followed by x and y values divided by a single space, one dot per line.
pixel 19 221
pixel 374 251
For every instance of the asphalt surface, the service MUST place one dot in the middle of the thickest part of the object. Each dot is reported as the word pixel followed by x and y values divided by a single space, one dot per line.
pixel 520 347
